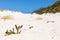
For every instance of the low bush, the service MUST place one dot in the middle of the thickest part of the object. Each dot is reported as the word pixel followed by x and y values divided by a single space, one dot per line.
pixel 9 32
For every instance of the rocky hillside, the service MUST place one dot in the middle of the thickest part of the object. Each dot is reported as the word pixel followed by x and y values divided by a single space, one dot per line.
pixel 50 9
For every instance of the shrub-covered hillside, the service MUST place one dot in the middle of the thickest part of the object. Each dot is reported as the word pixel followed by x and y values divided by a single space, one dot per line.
pixel 50 9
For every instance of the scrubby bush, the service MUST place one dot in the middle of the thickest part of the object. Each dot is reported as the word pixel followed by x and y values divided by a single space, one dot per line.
pixel 7 17
pixel 9 32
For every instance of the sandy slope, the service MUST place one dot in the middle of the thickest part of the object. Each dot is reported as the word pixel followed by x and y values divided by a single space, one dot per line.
pixel 45 26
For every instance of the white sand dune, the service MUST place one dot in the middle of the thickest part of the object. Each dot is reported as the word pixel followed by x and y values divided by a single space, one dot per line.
pixel 45 26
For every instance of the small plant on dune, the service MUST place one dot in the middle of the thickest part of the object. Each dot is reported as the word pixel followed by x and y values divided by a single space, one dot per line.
pixel 7 17
pixel 30 27
pixel 17 28
pixel 39 18
pixel 9 32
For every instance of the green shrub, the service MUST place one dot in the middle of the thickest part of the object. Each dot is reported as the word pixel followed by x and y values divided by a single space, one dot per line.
pixel 9 32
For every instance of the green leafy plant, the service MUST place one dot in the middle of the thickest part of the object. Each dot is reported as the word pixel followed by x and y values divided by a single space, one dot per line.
pixel 17 28
pixel 9 32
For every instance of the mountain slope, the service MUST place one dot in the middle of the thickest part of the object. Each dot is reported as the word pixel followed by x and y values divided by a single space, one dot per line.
pixel 50 9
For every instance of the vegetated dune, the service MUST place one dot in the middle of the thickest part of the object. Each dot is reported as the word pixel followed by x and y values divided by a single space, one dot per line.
pixel 54 8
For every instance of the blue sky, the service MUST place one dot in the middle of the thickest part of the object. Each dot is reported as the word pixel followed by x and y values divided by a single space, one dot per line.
pixel 24 5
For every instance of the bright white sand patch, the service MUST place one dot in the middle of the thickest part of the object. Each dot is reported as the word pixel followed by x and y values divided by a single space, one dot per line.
pixel 46 29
